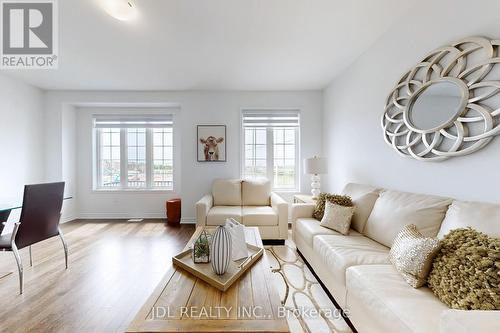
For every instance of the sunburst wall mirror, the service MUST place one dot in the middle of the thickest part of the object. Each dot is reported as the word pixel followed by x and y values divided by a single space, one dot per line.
pixel 447 105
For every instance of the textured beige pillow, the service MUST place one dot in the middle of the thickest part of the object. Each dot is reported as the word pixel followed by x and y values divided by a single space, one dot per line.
pixel 319 210
pixel 337 217
pixel 412 255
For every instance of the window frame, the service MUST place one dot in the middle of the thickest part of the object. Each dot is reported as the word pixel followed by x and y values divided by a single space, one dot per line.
pixel 149 158
pixel 270 149
pixel 150 166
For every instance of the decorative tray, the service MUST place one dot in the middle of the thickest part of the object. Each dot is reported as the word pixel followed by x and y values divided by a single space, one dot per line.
pixel 205 272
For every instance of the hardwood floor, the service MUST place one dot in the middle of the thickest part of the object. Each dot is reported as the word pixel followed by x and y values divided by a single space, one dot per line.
pixel 113 267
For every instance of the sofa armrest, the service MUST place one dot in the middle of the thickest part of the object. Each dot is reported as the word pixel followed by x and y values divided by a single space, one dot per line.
pixel 464 321
pixel 301 210
pixel 202 208
pixel 280 206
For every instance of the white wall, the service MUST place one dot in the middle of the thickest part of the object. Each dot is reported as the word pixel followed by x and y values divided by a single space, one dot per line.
pixel 21 139
pixel 353 105
pixel 196 107
pixel 69 149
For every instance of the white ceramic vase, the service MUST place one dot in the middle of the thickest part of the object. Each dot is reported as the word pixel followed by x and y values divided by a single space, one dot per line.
pixel 220 255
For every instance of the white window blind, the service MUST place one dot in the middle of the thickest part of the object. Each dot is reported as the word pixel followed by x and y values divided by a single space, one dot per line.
pixel 271 118
pixel 133 121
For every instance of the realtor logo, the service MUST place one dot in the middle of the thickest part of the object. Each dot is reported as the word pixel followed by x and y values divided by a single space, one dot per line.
pixel 29 34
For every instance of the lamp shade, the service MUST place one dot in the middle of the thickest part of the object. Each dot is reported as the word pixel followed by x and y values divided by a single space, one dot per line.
pixel 315 165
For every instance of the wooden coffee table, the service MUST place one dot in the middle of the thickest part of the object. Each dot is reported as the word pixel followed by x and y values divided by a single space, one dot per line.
pixel 184 303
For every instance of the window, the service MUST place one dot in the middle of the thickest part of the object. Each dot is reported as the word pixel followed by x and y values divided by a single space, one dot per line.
pixel 136 158
pixel 134 152
pixel 271 145
pixel 163 160
pixel 109 158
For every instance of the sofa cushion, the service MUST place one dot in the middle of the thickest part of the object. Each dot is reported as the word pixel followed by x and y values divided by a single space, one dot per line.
pixel 393 210
pixel 259 216
pixel 227 192
pixel 339 252
pixel 307 228
pixel 379 300
pixel 256 192
pixel 217 215
pixel 465 321
pixel 363 197
pixel 483 217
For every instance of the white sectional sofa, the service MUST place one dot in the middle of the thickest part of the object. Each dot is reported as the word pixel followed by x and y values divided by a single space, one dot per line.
pixel 250 202
pixel 356 270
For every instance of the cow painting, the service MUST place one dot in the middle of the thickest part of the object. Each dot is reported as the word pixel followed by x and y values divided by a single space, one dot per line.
pixel 211 141
pixel 210 147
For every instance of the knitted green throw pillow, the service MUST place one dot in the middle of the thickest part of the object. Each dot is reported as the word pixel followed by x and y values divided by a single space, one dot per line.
pixel 466 271
pixel 341 200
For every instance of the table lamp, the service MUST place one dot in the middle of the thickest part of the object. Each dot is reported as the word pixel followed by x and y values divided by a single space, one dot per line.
pixel 315 166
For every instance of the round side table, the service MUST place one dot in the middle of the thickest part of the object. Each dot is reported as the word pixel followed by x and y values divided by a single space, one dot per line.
pixel 173 211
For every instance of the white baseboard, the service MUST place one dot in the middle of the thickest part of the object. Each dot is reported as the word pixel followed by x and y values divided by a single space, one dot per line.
pixel 68 218
pixel 126 216
pixel 121 215
pixel 188 220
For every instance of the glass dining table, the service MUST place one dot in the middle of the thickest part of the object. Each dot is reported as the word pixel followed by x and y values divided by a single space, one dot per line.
pixel 8 205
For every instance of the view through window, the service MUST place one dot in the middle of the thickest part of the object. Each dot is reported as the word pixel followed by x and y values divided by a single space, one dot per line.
pixel 271 145
pixel 134 152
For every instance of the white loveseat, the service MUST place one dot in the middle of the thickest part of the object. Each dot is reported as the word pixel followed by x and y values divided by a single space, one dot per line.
pixel 250 202
pixel 356 270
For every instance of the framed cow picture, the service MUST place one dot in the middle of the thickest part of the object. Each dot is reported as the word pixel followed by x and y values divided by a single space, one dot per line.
pixel 211 143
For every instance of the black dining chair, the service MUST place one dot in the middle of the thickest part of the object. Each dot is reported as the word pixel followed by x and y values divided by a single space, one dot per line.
pixel 40 215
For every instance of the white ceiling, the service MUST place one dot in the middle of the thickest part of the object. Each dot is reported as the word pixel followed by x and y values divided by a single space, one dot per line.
pixel 213 44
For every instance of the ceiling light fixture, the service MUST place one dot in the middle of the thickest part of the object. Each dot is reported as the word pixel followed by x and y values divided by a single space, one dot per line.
pixel 123 10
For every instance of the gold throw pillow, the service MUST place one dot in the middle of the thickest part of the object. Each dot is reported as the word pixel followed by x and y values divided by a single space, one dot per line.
pixel 412 255
pixel 337 217
pixel 341 200
pixel 466 271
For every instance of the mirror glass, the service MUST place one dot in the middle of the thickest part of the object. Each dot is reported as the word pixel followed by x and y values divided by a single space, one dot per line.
pixel 436 105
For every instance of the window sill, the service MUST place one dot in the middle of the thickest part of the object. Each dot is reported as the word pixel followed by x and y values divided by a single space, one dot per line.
pixel 287 190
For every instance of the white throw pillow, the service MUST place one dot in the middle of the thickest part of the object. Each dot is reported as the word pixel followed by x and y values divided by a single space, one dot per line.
pixel 393 210
pixel 337 217
pixel 256 192
pixel 480 216
pixel 227 192
pixel 364 198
